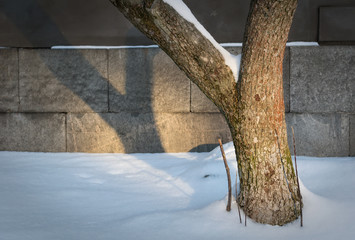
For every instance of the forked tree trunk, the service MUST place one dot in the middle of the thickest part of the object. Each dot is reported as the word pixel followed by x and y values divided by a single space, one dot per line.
pixel 254 107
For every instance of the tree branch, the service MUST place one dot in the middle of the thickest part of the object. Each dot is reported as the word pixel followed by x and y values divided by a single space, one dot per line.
pixel 188 48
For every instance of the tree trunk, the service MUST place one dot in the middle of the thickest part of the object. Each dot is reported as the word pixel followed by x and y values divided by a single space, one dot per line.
pixel 268 183
pixel 254 108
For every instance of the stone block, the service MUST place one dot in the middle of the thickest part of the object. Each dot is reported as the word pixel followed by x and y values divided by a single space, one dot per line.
pixel 200 102
pixel 352 135
pixel 319 135
pixel 146 80
pixel 286 79
pixel 94 132
pixel 9 100
pixel 63 80
pixel 145 132
pixel 198 132
pixel 35 132
pixel 234 50
pixel 322 79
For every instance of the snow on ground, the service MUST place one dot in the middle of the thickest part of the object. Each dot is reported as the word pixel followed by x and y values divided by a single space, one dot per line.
pixel 157 196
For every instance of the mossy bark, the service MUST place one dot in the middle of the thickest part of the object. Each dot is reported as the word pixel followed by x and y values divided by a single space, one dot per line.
pixel 268 183
pixel 254 107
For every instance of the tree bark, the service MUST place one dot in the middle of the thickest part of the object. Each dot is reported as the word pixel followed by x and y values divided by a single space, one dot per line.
pixel 186 46
pixel 268 183
pixel 253 108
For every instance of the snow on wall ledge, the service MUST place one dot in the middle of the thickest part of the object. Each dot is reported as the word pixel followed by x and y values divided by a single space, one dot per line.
pixel 233 61
pixel 137 100
pixel 289 44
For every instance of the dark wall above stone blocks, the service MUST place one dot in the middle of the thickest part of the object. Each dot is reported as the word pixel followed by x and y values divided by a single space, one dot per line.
pixel 319 134
pixel 35 132
pixel 45 23
pixel 146 80
pixel 9 100
pixel 322 79
pixel 336 24
pixel 63 80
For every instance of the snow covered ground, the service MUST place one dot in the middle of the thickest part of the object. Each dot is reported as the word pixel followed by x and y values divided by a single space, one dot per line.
pixel 157 196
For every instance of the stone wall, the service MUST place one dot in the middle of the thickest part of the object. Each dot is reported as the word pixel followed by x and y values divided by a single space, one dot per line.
pixel 137 100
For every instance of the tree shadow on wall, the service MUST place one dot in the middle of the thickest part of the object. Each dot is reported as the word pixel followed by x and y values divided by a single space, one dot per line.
pixel 124 102
pixel 132 118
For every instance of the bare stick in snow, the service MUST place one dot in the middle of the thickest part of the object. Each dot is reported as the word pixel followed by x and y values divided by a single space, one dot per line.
pixel 236 193
pixel 228 176
pixel 298 183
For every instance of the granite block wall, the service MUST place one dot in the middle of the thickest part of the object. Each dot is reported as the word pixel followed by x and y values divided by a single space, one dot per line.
pixel 137 100
pixel 322 99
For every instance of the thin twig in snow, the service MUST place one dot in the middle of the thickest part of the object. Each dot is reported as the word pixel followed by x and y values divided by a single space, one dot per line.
pixel 228 176
pixel 236 192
